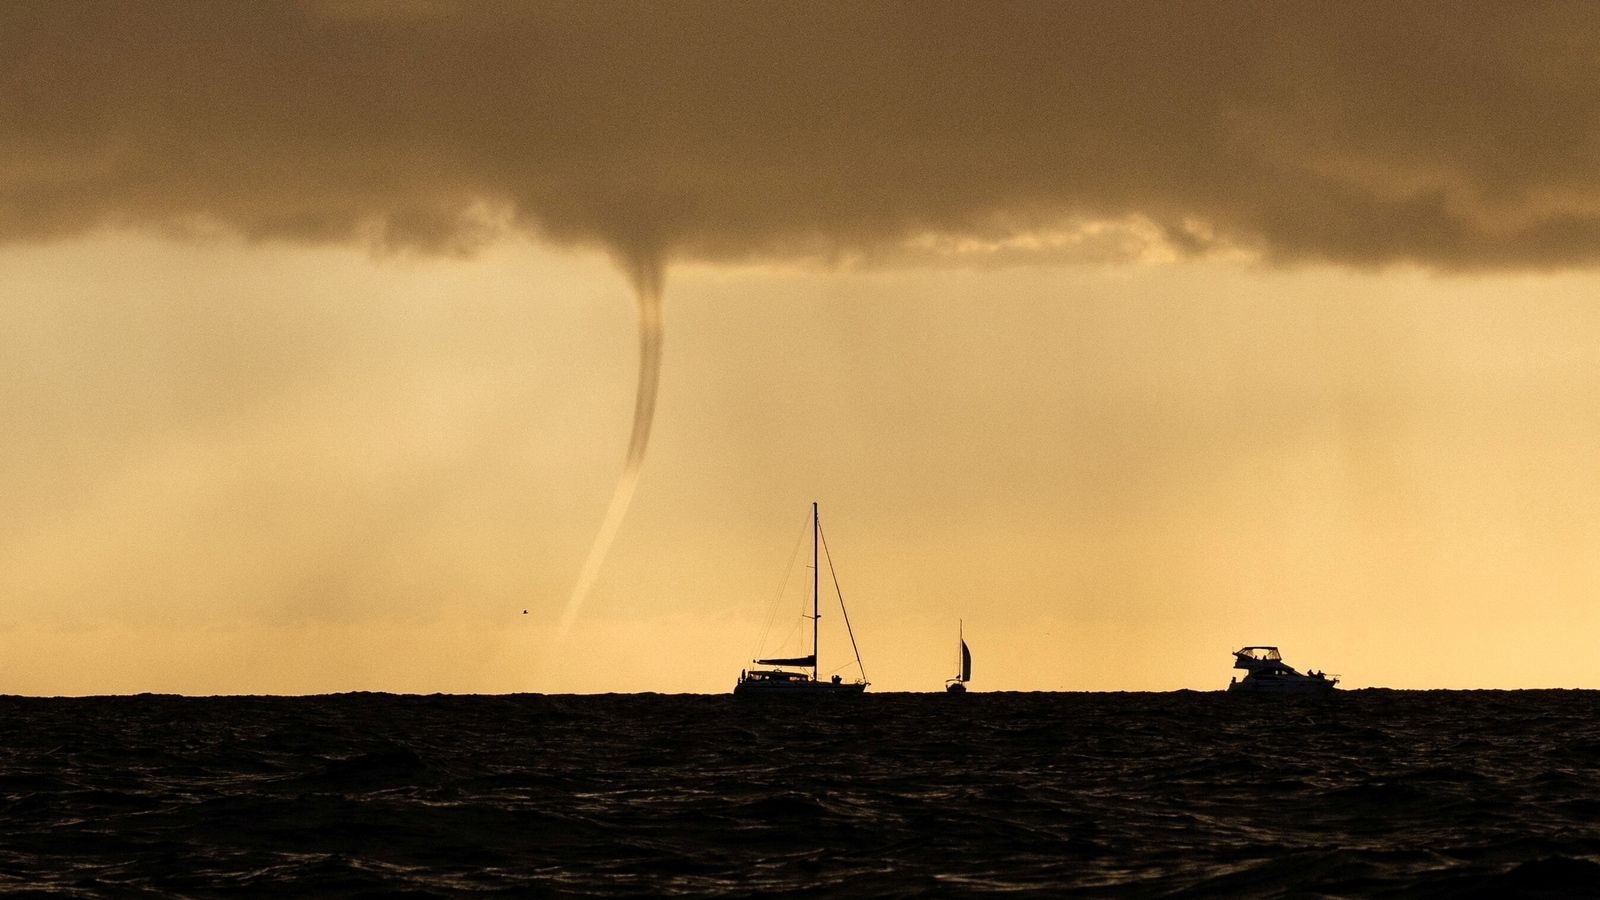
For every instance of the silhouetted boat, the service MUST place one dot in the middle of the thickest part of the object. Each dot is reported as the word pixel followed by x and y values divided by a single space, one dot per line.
pixel 958 684
pixel 1266 673
pixel 782 680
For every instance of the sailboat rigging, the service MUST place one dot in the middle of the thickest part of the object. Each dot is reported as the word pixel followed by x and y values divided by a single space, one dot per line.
pixel 781 681
pixel 958 684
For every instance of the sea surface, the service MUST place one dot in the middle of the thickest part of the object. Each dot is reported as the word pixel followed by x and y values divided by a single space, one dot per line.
pixel 1365 794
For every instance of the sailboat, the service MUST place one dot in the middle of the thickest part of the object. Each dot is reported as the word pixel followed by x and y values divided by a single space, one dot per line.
pixel 958 684
pixel 782 680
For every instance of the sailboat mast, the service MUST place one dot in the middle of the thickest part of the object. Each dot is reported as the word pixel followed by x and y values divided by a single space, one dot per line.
pixel 816 572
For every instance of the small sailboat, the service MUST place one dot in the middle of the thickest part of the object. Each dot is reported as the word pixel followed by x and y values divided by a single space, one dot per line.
pixel 782 680
pixel 958 684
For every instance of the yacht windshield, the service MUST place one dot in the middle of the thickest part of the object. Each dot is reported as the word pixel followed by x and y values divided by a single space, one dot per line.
pixel 1263 653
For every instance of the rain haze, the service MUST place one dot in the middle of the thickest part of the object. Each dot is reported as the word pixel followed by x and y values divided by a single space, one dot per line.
pixel 337 335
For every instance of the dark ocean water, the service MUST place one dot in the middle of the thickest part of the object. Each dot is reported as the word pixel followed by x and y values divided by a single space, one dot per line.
pixel 1366 794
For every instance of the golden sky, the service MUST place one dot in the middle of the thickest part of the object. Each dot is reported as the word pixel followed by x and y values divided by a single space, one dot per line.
pixel 1127 334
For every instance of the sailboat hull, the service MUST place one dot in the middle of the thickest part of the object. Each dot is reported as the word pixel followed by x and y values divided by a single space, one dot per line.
pixel 956 687
pixel 753 688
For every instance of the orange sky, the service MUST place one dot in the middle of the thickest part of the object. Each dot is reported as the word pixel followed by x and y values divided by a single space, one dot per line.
pixel 1127 340
pixel 277 469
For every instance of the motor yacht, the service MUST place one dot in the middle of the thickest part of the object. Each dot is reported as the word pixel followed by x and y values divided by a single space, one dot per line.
pixel 1267 673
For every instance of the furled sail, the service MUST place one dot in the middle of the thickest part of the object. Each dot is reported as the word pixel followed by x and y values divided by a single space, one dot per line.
pixel 796 661
pixel 966 662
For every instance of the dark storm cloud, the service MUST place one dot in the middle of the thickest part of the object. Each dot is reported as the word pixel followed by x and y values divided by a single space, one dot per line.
pixel 1454 134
